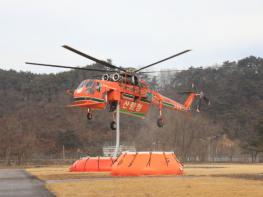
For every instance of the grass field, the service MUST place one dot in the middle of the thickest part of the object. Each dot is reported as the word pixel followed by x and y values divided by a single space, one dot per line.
pixel 199 180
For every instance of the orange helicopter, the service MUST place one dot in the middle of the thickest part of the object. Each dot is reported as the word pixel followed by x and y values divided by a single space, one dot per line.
pixel 124 88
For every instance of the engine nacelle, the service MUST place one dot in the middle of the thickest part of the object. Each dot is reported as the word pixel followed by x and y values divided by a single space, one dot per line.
pixel 106 77
pixel 115 77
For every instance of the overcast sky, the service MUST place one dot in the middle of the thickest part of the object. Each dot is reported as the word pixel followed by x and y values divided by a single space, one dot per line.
pixel 131 33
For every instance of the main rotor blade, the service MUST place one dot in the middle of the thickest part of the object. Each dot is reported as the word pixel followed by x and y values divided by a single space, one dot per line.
pixel 163 60
pixel 92 58
pixel 76 68
pixel 160 71
pixel 163 71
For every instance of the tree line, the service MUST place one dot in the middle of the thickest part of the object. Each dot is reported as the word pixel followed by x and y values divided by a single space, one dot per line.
pixel 35 121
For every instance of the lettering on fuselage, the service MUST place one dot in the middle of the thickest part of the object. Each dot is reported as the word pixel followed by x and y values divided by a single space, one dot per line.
pixel 132 106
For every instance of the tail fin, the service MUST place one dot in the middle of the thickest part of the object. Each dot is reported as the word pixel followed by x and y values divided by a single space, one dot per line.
pixel 190 100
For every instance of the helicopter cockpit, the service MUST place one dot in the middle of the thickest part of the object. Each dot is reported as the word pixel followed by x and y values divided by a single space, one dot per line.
pixel 89 85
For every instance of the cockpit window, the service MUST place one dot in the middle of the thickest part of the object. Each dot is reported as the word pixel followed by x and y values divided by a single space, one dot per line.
pixel 98 86
pixel 81 84
pixel 90 85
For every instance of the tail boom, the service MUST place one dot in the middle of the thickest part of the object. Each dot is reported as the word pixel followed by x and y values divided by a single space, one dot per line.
pixel 172 104
pixel 189 101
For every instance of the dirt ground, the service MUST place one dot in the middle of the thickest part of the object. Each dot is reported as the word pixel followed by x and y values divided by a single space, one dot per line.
pixel 198 180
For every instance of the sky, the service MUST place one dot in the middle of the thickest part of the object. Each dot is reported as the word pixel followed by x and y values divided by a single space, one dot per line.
pixel 131 33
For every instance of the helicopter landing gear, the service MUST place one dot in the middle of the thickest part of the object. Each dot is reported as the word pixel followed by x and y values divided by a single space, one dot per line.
pixel 113 125
pixel 160 122
pixel 89 115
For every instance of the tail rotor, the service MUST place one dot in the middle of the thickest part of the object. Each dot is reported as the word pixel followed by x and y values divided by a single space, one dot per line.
pixel 200 95
pixel 202 98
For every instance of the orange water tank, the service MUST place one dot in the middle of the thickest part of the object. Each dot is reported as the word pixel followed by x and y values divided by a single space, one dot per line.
pixel 92 164
pixel 147 163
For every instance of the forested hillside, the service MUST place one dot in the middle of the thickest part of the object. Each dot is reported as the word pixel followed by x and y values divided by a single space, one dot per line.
pixel 35 121
pixel 235 90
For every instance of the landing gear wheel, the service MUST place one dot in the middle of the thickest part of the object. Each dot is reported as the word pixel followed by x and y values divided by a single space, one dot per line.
pixel 160 122
pixel 113 125
pixel 89 116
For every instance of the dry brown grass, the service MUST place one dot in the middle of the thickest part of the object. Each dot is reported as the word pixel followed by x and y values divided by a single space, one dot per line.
pixel 160 187
pixel 199 180
pixel 223 169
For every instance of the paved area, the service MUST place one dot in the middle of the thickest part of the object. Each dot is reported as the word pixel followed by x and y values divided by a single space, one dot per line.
pixel 17 182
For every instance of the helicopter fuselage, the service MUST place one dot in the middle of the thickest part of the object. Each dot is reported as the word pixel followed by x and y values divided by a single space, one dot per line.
pixel 134 100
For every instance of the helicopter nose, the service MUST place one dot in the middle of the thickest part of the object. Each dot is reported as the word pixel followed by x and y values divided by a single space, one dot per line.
pixel 79 92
